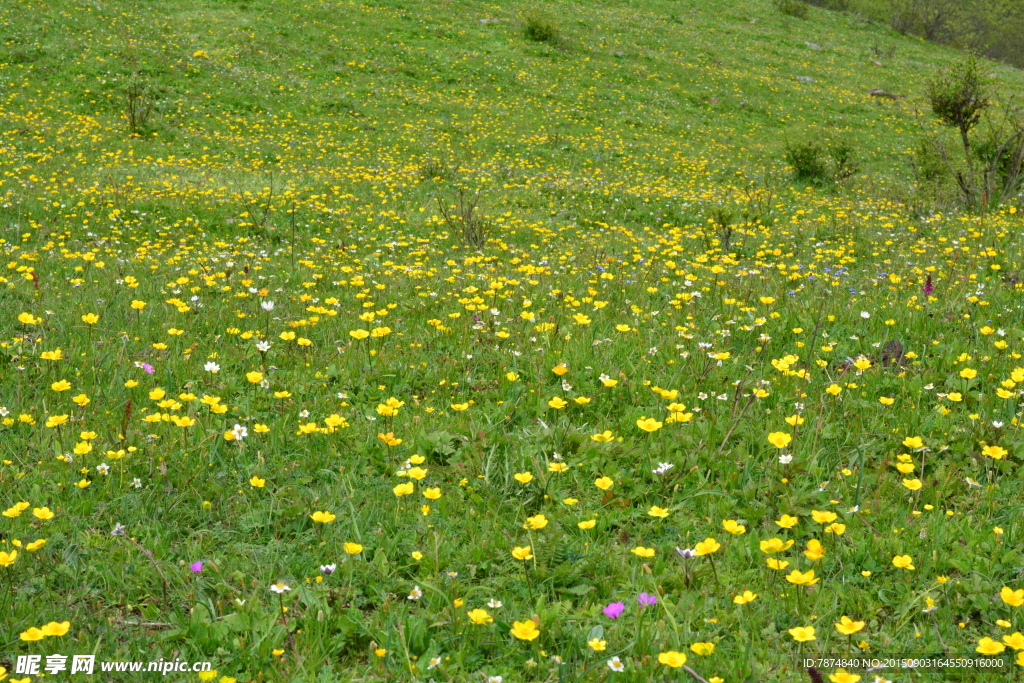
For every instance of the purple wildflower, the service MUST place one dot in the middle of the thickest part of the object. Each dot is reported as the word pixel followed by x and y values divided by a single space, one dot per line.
pixel 197 567
pixel 928 286
pixel 614 610
pixel 646 600
pixel 148 368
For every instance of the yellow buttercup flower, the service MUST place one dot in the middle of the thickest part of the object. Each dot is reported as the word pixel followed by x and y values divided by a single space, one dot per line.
pixel 480 617
pixel 536 522
pixel 780 439
pixel 802 578
pixel 648 424
pixel 802 634
pixel 815 550
pixel 525 630
pixel 672 659
pixel 848 626
pixel 823 516
pixel 733 527
pixel 1013 598
pixel 903 562
pixel 913 442
pixel 55 629
pixel 706 547
pixel 43 513
pixel 744 597
pixel 775 545
pixel 522 553
pixel 987 646
pixel 32 634
pixel 322 517
pixel 787 521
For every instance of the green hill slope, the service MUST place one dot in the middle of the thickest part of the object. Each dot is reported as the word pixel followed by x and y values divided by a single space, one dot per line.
pixel 345 341
pixel 658 101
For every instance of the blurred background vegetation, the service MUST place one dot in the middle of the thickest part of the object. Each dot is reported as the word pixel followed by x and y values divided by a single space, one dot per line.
pixel 993 28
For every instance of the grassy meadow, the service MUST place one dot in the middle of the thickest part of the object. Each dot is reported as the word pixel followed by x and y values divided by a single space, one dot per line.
pixel 381 341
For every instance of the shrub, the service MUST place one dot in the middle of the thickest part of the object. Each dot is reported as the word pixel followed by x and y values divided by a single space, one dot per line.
pixel 793 8
pixel 139 104
pixel 815 161
pixel 808 160
pixel 841 153
pixel 540 29
pixel 993 161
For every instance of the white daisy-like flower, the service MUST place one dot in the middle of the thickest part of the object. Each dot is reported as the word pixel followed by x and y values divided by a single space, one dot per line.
pixel 785 459
pixel 494 604
pixel 616 665
pixel 211 367
pixel 279 587
pixel 262 346
pixel 267 305
pixel 415 593
pixel 103 468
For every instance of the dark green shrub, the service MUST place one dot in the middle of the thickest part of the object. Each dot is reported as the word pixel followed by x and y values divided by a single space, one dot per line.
pixel 540 29
pixel 842 154
pixel 808 159
pixel 818 162
pixel 793 8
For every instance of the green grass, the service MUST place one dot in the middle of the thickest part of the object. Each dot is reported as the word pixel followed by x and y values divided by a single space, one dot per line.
pixel 641 226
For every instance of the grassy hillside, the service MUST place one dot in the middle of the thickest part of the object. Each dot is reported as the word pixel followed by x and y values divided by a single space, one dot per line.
pixel 465 337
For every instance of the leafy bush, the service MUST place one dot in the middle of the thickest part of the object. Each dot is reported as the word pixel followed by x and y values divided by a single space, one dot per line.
pixel 992 160
pixel 540 29
pixel 793 8
pixel 841 152
pixel 812 160
pixel 808 160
